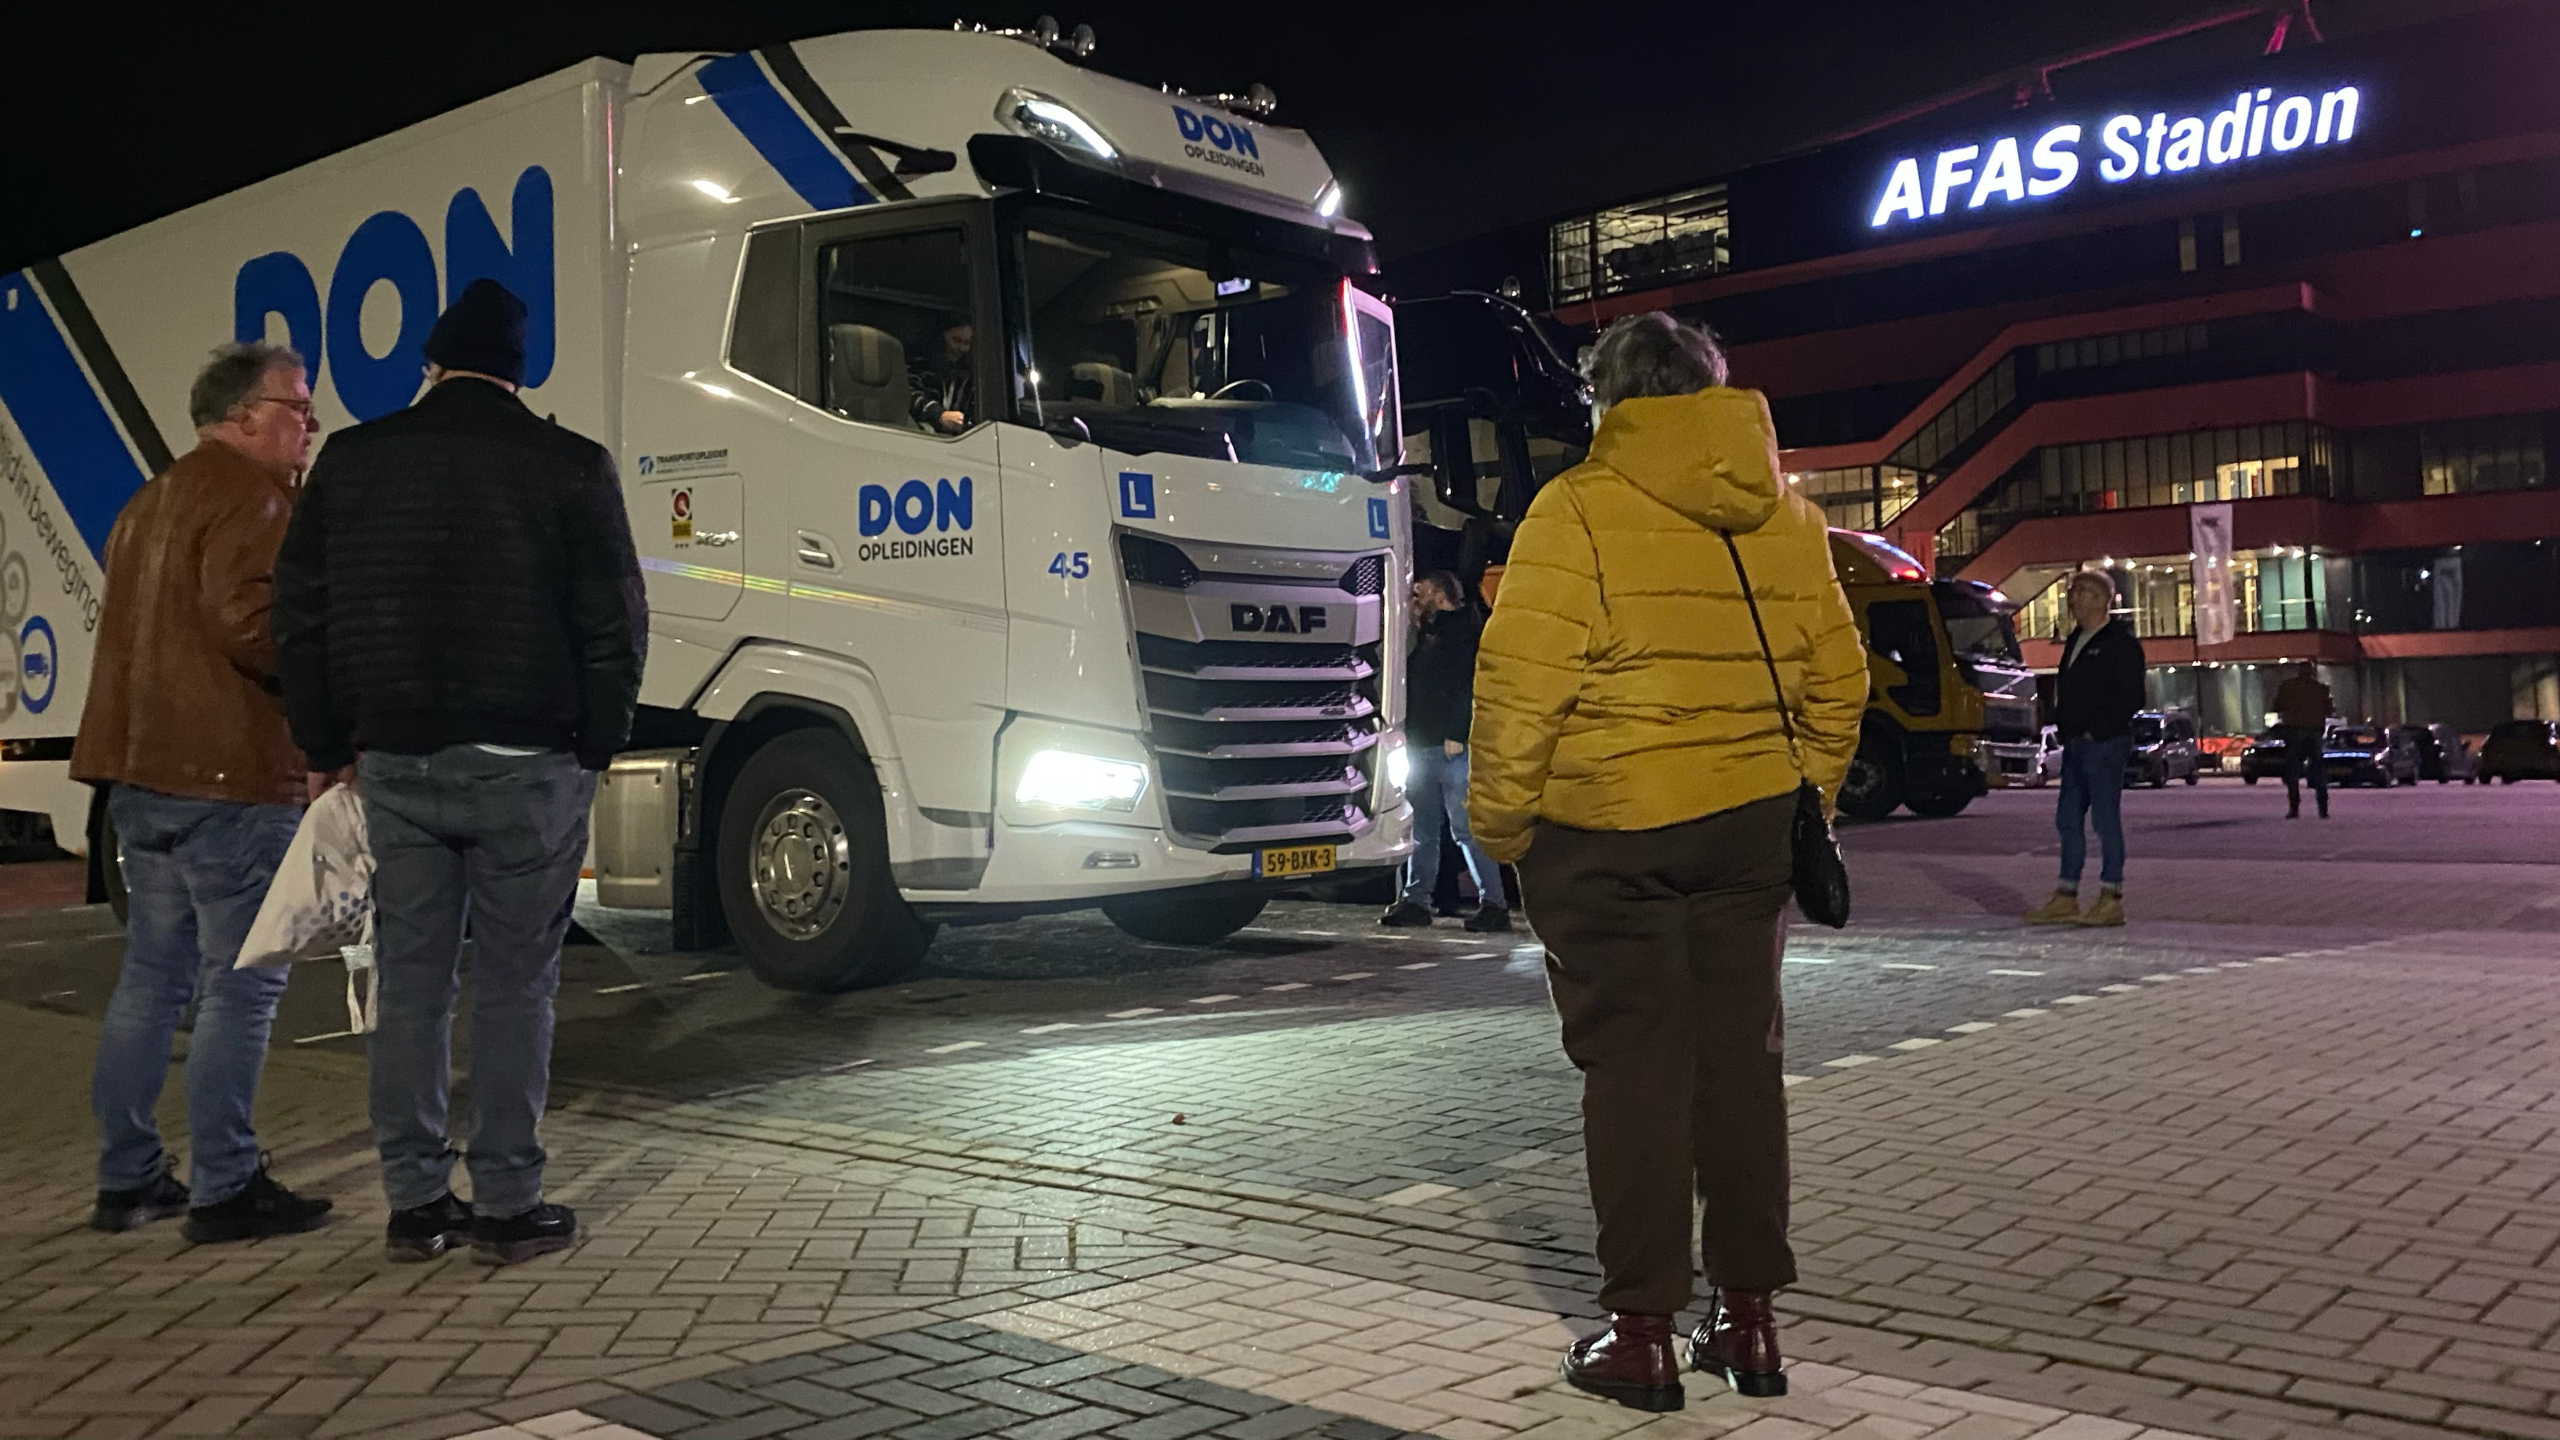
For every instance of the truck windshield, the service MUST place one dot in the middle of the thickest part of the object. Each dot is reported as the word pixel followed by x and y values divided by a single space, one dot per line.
pixel 1977 624
pixel 1159 341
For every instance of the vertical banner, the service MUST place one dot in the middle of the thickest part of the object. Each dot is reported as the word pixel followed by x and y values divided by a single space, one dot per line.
pixel 2217 597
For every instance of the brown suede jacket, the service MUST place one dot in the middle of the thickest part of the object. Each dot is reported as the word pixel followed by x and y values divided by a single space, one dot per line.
pixel 184 698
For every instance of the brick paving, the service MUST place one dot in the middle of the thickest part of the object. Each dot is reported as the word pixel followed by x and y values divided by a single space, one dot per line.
pixel 2186 1180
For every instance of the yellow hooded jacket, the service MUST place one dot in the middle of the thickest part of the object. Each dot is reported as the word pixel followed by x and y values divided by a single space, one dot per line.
pixel 1620 685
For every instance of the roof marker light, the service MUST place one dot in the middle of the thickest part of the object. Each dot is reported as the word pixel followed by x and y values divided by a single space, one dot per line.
pixel 1043 118
pixel 1329 199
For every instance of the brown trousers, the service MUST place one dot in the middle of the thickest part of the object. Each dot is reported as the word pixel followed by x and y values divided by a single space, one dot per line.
pixel 1663 949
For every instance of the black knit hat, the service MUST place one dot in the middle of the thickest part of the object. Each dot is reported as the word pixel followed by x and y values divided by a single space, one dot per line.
pixel 481 331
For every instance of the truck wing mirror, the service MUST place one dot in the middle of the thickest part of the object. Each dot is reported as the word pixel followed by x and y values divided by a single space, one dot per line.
pixel 1381 477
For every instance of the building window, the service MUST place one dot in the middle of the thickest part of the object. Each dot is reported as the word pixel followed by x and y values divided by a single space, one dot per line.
pixel 1637 247
pixel 2091 351
pixel 1975 407
pixel 2247 462
pixel 2504 453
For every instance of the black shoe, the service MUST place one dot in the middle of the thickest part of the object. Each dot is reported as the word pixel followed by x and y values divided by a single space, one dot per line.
pixel 264 1208
pixel 1492 919
pixel 163 1199
pixel 423 1232
pixel 519 1238
pixel 1407 915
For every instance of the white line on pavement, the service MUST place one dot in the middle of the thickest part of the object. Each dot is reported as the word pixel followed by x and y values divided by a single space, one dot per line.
pixel 1807 960
pixel 2013 972
pixel 1356 975
pixel 1903 965
pixel 1050 1029
pixel 2159 979
pixel 2075 999
pixel 956 1046
pixel 2024 1014
pixel 699 978
pixel 1421 965
pixel 624 989
pixel 1848 1062
pixel 1214 999
pixel 1479 955
pixel 2117 989
pixel 1971 1027
pixel 1794 1080
pixel 1292 985
pixel 1133 1014
pixel 332 1035
pixel 1916 1042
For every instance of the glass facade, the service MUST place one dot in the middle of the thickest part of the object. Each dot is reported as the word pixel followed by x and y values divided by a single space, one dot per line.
pixel 2278 589
pixel 2091 351
pixel 2503 453
pixel 1637 247
pixel 1860 497
pixel 2242 463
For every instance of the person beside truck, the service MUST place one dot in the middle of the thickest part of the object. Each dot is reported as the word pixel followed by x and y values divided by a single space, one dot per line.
pixel 1439 703
pixel 183 730
pixel 484 698
pixel 1637 756
pixel 2097 693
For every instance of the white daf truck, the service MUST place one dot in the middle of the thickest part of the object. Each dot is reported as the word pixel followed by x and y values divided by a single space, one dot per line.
pixel 1014 464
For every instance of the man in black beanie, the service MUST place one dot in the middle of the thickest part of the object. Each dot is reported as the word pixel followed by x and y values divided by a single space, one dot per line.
pixel 460 627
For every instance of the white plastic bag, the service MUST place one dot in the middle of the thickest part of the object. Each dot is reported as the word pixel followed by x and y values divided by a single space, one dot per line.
pixel 320 905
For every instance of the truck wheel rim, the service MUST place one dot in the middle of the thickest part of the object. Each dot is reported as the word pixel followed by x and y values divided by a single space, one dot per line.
pixel 1864 780
pixel 803 865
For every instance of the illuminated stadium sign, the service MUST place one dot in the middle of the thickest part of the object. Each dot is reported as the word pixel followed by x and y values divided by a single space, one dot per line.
pixel 2125 148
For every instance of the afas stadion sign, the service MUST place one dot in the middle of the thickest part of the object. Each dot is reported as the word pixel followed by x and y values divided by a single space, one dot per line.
pixel 2124 149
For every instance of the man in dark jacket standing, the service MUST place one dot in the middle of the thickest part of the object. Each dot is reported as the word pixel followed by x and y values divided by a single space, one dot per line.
pixel 1439 700
pixel 183 730
pixel 2095 698
pixel 458 599
pixel 2303 708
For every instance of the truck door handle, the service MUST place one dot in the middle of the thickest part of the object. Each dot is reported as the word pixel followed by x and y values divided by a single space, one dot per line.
pixel 815 553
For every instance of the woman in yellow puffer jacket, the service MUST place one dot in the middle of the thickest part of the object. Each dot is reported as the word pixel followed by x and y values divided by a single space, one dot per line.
pixel 1631 759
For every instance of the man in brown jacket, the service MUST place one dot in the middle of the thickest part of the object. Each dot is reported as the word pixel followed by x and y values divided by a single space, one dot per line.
pixel 185 728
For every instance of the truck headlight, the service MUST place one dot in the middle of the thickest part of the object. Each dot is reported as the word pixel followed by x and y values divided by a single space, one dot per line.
pixel 1067 780
pixel 1399 766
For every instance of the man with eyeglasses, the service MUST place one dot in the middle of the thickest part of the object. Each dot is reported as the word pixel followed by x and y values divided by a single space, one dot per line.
pixel 185 728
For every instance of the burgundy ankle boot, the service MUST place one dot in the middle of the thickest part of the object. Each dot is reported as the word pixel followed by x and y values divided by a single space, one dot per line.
pixel 1630 1362
pixel 1739 1341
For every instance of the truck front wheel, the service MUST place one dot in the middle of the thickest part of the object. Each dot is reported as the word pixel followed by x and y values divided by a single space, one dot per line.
pixel 804 870
pixel 1173 917
pixel 1873 787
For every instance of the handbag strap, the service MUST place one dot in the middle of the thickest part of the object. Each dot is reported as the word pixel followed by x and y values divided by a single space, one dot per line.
pixel 1786 720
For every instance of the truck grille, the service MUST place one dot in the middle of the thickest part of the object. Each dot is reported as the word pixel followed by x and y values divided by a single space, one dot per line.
pixel 1265 701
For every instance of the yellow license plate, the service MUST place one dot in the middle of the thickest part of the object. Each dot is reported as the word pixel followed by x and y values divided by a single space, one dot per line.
pixel 1292 860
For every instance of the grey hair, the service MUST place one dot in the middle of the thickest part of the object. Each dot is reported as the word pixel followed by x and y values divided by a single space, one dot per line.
pixel 1653 354
pixel 2099 578
pixel 233 375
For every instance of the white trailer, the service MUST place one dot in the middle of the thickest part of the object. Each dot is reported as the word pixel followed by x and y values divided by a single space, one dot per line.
pixel 1013 461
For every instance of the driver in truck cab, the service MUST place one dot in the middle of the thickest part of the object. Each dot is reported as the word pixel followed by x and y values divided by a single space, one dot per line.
pixel 943 390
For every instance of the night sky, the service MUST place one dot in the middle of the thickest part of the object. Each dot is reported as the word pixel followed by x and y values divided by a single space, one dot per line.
pixel 1442 122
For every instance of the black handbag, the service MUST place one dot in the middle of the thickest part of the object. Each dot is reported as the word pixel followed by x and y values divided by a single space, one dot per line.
pixel 1821 877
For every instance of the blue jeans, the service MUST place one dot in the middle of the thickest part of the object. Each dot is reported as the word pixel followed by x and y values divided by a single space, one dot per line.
pixel 1439 791
pixel 497 840
pixel 2093 790
pixel 195 872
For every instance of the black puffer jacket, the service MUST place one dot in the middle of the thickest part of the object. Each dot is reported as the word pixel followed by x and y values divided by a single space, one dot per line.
pixel 460 572
pixel 1439 696
pixel 2099 690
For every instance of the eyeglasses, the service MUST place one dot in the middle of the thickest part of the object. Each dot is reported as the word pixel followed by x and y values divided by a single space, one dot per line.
pixel 310 418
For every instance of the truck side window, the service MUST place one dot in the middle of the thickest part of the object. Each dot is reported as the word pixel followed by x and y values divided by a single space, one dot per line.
pixel 895 333
pixel 765 335
pixel 1900 631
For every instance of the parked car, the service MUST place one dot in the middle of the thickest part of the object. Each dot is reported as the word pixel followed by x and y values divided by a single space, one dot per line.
pixel 2520 750
pixel 2264 759
pixel 2375 755
pixel 2443 755
pixel 2164 749
pixel 2049 757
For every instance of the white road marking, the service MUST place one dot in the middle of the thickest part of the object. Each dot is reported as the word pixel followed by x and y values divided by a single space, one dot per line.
pixel 956 1046
pixel 1416 1194
pixel 2024 1014
pixel 1356 975
pixel 1214 999
pixel 705 975
pixel 1903 965
pixel 1051 1029
pixel 1807 960
pixel 2117 989
pixel 1133 1014
pixel 623 989
pixel 1479 955
pixel 2159 979
pixel 1292 985
pixel 1421 965
pixel 332 1035
pixel 1847 1062
pixel 1916 1042
pixel 2013 972
pixel 2075 999
pixel 1971 1027
pixel 1794 1080
pixel 2201 970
